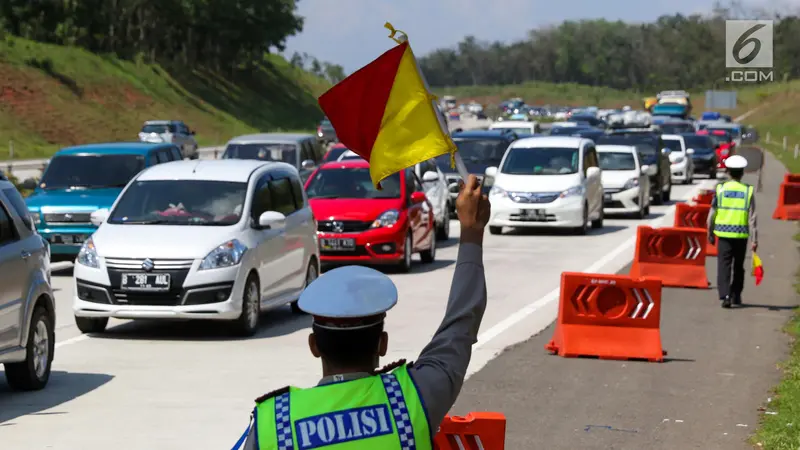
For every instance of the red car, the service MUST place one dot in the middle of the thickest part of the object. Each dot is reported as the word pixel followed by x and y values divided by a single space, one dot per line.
pixel 724 144
pixel 357 223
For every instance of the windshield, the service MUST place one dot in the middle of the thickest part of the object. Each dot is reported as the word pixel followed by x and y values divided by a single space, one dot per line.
pixel 264 152
pixel 676 128
pixel 673 145
pixel 350 183
pixel 180 202
pixel 477 153
pixel 566 131
pixel 541 161
pixel 700 144
pixel 91 171
pixel 158 128
pixel 334 154
pixel 519 130
pixel 616 161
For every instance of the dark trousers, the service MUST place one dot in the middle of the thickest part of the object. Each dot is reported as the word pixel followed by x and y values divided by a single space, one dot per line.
pixel 730 262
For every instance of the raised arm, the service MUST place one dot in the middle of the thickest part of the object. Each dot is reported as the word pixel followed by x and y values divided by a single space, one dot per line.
pixel 442 366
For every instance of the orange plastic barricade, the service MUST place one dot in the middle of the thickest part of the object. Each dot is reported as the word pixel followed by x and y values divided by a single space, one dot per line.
pixel 791 178
pixel 695 216
pixel 475 431
pixel 608 316
pixel 788 207
pixel 704 197
pixel 677 256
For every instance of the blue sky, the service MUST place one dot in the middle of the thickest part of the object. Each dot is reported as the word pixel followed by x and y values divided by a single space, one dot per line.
pixel 351 33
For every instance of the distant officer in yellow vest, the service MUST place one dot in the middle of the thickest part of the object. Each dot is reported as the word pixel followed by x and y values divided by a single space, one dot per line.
pixel 354 406
pixel 732 222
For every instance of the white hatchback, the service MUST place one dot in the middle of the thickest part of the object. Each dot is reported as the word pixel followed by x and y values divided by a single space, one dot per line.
pixel 547 182
pixel 680 158
pixel 219 239
pixel 626 181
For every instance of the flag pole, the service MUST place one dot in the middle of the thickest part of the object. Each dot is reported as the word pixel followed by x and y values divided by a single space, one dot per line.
pixel 460 166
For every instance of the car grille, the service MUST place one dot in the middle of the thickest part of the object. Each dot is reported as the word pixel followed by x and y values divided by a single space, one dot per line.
pixel 135 264
pixel 177 268
pixel 611 190
pixel 68 218
pixel 347 226
pixel 533 197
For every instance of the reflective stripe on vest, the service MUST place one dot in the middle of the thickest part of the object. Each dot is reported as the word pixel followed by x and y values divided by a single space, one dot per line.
pixel 377 412
pixel 733 210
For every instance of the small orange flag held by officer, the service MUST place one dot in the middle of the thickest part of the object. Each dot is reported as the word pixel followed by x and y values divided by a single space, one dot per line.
pixel 386 114
pixel 758 269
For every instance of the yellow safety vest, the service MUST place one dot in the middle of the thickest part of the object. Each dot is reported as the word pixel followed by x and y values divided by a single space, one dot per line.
pixel 733 210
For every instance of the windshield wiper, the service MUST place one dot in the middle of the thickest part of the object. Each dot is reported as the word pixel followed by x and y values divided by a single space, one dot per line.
pixel 325 197
pixel 140 222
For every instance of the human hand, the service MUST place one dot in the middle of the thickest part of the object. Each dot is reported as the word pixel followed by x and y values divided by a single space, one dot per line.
pixel 754 246
pixel 473 209
pixel 712 239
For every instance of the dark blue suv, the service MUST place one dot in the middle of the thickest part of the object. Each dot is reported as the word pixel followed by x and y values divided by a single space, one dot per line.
pixel 479 149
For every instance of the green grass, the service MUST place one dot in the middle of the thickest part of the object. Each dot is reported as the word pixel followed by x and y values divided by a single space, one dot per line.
pixel 54 96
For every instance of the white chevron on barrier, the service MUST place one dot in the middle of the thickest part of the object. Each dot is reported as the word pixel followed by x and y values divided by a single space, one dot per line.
pixel 695 247
pixel 648 299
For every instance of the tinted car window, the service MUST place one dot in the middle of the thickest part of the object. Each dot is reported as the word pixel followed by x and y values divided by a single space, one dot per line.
pixel 673 145
pixel 351 182
pixel 541 161
pixel 617 161
pixel 700 144
pixel 262 199
pixel 287 153
pixel 478 154
pixel 282 197
pixel 155 128
pixel 163 156
pixel 19 206
pixel 334 154
pixel 7 232
pixel 297 191
pixel 176 154
pixel 91 171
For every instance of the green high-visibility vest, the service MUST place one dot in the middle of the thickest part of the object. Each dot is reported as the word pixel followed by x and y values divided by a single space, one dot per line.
pixel 377 412
pixel 733 210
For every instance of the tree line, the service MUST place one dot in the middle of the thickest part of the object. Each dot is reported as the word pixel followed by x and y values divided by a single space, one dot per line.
pixel 674 52
pixel 218 34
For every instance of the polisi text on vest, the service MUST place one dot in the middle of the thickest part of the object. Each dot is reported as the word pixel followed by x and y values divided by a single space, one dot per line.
pixel 343 426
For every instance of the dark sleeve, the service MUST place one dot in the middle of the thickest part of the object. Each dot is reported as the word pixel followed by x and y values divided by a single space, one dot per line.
pixel 250 443
pixel 442 366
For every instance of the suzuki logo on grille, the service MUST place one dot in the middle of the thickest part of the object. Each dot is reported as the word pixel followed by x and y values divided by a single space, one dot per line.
pixel 338 227
pixel 67 217
pixel 148 265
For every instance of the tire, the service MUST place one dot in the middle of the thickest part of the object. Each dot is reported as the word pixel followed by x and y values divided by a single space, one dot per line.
pixel 584 229
pixel 311 274
pixel 91 324
pixel 247 323
pixel 34 373
pixel 405 264
pixel 657 198
pixel 443 230
pixel 495 230
pixel 666 195
pixel 598 223
pixel 428 256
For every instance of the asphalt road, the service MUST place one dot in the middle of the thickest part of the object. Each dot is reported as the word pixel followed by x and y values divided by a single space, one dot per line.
pixel 720 367
pixel 163 385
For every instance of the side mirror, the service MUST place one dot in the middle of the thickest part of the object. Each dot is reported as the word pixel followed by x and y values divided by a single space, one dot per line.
pixel 307 164
pixel 417 198
pixel 29 184
pixel 652 170
pixel 490 172
pixel 98 217
pixel 271 220
pixel 665 151
pixel 430 176
pixel 592 171
pixel 690 151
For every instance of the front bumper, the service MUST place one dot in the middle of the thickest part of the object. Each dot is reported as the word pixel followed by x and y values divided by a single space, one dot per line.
pixel 563 212
pixel 705 165
pixel 621 201
pixel 385 245
pixel 680 171
pixel 214 294
pixel 58 238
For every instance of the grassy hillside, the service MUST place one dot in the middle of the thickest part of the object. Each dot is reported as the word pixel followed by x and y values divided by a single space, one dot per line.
pixel 51 96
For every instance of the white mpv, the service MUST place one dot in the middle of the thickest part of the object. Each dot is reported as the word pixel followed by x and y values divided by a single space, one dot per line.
pixel 219 239
pixel 547 182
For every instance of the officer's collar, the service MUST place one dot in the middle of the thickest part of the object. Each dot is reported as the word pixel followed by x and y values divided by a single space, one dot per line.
pixel 330 379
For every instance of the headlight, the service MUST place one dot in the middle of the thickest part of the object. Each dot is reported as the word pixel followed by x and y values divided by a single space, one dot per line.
pixel 630 184
pixel 88 255
pixel 225 255
pixel 573 192
pixel 36 218
pixel 497 191
pixel 387 219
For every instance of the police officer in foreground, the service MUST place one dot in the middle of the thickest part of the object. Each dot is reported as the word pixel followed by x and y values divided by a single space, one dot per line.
pixel 732 221
pixel 397 407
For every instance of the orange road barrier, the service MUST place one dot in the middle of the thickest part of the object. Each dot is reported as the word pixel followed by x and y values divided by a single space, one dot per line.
pixel 788 207
pixel 677 256
pixel 475 431
pixel 704 197
pixel 695 216
pixel 791 178
pixel 609 317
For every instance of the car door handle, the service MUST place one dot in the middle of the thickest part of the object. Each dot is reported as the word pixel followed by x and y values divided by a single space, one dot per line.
pixel 25 254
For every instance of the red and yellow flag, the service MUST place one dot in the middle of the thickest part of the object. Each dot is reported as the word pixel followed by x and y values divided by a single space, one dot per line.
pixel 386 114
pixel 758 269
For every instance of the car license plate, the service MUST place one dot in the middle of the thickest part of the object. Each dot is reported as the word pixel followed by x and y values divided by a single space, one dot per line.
pixel 336 244
pixel 67 239
pixel 145 281
pixel 532 214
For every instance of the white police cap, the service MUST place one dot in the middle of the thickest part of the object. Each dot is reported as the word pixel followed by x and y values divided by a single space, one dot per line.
pixel 349 297
pixel 736 162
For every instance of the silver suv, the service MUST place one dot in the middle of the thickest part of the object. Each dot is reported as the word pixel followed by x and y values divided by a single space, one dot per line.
pixel 27 308
pixel 173 132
